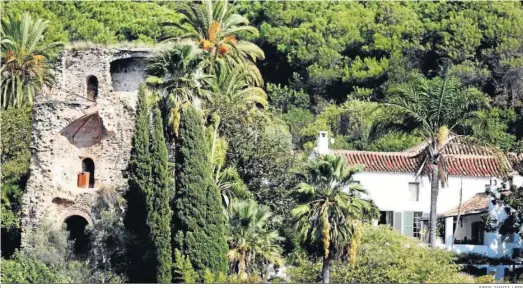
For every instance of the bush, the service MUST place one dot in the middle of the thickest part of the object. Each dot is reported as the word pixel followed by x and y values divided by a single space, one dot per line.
pixel 485 279
pixel 385 256
pixel 49 245
pixel 107 257
pixel 23 269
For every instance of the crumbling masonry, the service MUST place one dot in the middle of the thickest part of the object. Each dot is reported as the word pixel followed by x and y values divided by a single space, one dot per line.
pixel 85 123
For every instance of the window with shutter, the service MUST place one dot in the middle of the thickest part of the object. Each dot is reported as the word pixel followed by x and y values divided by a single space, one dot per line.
pixel 386 218
pixel 414 191
pixel 397 221
pixel 408 223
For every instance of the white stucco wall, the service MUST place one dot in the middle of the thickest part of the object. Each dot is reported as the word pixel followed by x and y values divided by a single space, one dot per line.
pixel 465 229
pixel 390 191
pixel 495 245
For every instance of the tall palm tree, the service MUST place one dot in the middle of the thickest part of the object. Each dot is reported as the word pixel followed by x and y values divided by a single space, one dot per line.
pixel 232 96
pixel 439 108
pixel 252 244
pixel 176 75
pixel 214 25
pixel 177 72
pixel 330 210
pixel 25 60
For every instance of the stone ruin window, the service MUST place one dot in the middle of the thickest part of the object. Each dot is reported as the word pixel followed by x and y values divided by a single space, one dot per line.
pixel 88 167
pixel 92 88
pixel 76 225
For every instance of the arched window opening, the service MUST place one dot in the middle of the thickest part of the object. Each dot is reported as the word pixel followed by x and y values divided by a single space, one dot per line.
pixel 88 167
pixel 76 225
pixel 92 88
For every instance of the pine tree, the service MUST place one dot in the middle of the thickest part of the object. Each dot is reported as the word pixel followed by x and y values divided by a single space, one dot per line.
pixel 158 202
pixel 142 266
pixel 199 221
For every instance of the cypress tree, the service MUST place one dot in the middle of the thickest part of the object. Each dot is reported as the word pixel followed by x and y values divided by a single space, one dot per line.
pixel 199 221
pixel 158 202
pixel 142 265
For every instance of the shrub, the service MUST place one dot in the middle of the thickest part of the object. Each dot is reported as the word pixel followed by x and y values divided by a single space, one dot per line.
pixel 23 269
pixel 109 240
pixel 485 279
pixel 385 256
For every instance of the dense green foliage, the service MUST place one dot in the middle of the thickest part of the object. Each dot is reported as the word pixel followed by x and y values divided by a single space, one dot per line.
pixel 15 129
pixel 384 256
pixel 26 270
pixel 326 51
pixel 359 49
pixel 109 240
pixel 158 202
pixel 15 159
pixel 150 182
pixel 261 151
pixel 512 197
pixel 199 220
pixel 143 265
pixel 100 22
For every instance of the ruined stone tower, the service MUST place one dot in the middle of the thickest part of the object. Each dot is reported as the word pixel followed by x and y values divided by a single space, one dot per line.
pixel 84 124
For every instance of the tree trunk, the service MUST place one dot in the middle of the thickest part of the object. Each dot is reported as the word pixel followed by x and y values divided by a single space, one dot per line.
pixel 325 271
pixel 459 213
pixel 434 190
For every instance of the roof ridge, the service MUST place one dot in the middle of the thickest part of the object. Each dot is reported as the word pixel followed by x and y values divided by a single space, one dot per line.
pixel 400 153
pixel 409 154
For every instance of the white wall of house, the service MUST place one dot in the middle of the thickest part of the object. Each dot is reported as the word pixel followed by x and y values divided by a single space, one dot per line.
pixel 465 228
pixel 495 245
pixel 390 191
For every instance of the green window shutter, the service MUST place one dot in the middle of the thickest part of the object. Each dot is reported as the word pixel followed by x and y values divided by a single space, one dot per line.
pixel 408 223
pixel 397 221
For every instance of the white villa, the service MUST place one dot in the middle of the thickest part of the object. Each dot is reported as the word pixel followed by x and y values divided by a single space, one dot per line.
pixel 404 201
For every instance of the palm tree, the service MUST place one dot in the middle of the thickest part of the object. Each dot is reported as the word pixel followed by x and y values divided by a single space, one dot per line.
pixel 176 75
pixel 230 185
pixel 227 179
pixel 252 244
pixel 438 108
pixel 177 72
pixel 25 67
pixel 329 210
pixel 232 96
pixel 214 25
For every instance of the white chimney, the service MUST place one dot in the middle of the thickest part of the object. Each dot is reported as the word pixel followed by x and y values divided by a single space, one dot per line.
pixel 322 147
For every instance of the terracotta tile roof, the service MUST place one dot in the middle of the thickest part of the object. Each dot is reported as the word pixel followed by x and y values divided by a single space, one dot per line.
pixel 477 204
pixel 403 162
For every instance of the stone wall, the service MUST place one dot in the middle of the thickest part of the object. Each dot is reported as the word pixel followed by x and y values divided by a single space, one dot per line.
pixel 52 191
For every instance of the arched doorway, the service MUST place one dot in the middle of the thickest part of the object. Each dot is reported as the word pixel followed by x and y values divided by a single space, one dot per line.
pixel 92 88
pixel 88 166
pixel 76 225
